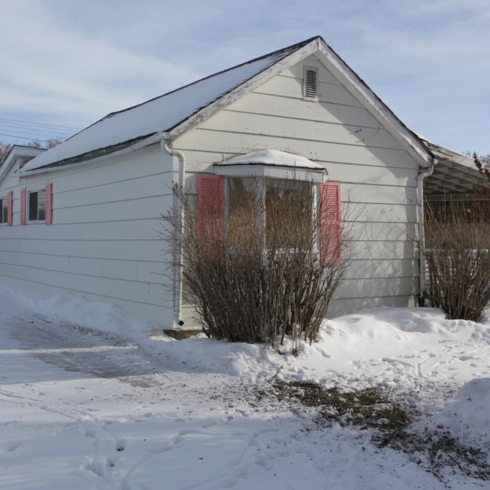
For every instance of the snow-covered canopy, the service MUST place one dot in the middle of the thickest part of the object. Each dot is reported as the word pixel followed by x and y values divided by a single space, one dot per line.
pixel 159 114
pixel 453 172
pixel 273 157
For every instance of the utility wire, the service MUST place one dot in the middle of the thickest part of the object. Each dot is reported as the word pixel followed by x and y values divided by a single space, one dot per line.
pixel 32 123
pixel 14 127
pixel 23 137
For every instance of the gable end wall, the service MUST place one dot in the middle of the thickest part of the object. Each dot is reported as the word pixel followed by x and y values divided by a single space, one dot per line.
pixel 378 176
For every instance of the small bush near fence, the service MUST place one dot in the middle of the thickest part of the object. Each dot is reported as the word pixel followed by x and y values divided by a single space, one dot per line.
pixel 258 272
pixel 458 258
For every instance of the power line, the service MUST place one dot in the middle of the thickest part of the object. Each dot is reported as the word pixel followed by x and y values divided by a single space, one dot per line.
pixel 23 137
pixel 63 76
pixel 32 123
pixel 32 129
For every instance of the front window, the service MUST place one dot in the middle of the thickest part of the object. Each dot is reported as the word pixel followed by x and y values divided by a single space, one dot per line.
pixel 37 205
pixel 3 211
pixel 282 208
pixel 242 204
pixel 289 205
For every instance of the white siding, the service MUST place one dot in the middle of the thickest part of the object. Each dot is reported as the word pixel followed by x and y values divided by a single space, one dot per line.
pixel 378 176
pixel 104 241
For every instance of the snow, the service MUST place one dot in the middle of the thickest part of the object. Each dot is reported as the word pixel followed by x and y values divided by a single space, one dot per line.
pixel 90 398
pixel 155 115
pixel 468 418
pixel 273 157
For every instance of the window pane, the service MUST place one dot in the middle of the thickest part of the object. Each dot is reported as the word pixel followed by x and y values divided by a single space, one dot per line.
pixel 41 205
pixel 240 209
pixel 288 214
pixel 33 206
pixel 2 219
pixel 5 211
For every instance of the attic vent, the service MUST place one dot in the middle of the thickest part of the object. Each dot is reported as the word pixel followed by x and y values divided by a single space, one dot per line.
pixel 311 83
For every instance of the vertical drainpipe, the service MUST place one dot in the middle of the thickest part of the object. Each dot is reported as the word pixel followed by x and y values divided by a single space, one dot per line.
pixel 421 222
pixel 178 252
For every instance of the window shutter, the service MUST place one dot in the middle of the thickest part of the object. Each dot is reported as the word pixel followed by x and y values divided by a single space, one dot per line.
pixel 330 240
pixel 10 208
pixel 210 213
pixel 23 206
pixel 49 204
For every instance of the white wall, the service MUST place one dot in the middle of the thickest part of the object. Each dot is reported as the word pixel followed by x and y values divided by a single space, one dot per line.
pixel 378 176
pixel 104 241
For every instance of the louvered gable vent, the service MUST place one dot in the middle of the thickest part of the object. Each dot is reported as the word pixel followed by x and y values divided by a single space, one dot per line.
pixel 311 83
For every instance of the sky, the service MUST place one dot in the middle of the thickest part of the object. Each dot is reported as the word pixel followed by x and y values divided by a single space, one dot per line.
pixel 66 63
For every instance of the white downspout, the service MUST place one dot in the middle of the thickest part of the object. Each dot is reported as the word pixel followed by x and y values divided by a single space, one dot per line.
pixel 421 222
pixel 177 270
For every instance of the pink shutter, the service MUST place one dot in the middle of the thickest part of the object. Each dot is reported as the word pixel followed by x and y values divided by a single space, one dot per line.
pixel 210 213
pixel 330 241
pixel 23 206
pixel 10 208
pixel 49 204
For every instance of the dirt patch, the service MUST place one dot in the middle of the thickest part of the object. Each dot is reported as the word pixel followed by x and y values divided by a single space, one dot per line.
pixel 180 334
pixel 391 418
pixel 366 408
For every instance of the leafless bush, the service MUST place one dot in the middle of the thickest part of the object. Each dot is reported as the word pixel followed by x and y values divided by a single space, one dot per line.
pixel 265 268
pixel 458 258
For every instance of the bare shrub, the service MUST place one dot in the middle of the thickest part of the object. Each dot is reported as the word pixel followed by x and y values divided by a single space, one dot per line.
pixel 458 257
pixel 265 268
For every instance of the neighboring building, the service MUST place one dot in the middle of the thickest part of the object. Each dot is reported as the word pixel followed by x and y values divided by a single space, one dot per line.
pixel 85 216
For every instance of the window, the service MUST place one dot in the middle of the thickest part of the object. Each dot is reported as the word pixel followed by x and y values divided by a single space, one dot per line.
pixel 37 205
pixel 241 204
pixel 285 207
pixel 289 207
pixel 282 196
pixel 3 210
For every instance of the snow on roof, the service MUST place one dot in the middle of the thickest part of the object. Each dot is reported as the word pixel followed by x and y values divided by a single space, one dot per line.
pixel 17 151
pixel 159 114
pixel 273 157
pixel 444 153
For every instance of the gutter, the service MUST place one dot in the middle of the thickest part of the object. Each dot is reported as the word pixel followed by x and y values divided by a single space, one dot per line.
pixel 421 222
pixel 177 272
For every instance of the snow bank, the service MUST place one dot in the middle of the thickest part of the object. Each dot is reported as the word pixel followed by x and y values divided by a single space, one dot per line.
pixel 468 418
pixel 392 346
pixel 75 309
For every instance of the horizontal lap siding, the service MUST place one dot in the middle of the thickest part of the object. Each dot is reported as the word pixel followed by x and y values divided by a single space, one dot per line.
pixel 104 241
pixel 229 142
pixel 379 186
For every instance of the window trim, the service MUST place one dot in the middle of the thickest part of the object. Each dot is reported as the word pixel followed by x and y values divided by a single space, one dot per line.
pixel 272 172
pixel 28 200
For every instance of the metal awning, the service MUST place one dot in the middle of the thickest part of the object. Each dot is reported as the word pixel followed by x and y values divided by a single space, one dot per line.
pixel 454 174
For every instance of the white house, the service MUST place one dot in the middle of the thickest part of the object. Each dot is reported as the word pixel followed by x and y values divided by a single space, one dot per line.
pixel 85 215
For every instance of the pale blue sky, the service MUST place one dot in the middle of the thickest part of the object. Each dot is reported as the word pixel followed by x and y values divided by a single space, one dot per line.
pixel 70 62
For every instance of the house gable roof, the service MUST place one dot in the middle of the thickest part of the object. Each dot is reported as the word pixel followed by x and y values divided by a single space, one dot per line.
pixel 180 110
pixel 15 152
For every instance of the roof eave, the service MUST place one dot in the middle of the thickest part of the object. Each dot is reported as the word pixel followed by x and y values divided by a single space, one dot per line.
pixel 15 152
pixel 359 88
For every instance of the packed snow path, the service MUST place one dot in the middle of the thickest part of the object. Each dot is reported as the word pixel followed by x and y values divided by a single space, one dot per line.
pixel 81 410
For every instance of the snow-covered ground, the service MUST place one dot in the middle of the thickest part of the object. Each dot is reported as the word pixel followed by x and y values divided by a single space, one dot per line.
pixel 89 399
